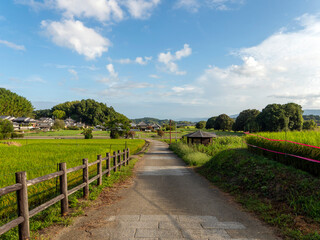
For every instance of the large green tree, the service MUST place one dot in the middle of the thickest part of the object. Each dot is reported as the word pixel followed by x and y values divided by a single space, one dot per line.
pixel 277 117
pixel 309 125
pixel 210 122
pixel 59 114
pixel 118 127
pixel 223 122
pixel 293 112
pixel 201 125
pixel 246 121
pixel 14 105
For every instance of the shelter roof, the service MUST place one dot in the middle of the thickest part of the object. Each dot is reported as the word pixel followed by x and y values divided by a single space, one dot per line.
pixel 201 134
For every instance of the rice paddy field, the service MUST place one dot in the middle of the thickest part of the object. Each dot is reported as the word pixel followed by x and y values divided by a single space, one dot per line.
pixel 41 157
pixel 289 148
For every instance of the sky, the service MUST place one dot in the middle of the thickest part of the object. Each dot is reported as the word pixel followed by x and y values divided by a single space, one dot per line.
pixel 162 58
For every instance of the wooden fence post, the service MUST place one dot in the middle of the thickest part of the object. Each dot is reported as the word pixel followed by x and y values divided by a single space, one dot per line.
pixel 115 161
pixel 128 154
pixel 23 206
pixel 108 165
pixel 124 157
pixel 86 178
pixel 64 188
pixel 119 159
pixel 99 170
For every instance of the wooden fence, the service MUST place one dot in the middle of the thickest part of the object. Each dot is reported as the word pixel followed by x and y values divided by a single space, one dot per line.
pixel 24 214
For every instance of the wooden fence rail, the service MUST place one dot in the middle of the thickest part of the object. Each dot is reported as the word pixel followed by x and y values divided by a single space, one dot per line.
pixel 21 188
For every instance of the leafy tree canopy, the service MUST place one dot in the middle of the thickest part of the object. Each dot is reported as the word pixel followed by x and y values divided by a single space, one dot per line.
pixel 88 111
pixel 42 113
pixel 246 120
pixel 210 122
pixel 277 117
pixel 59 114
pixel 6 129
pixel 309 125
pixel 223 122
pixel 201 125
pixel 14 105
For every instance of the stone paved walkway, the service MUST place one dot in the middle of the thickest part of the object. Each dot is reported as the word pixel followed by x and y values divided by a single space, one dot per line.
pixel 169 201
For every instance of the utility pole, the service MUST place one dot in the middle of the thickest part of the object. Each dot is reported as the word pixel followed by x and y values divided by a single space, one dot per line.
pixel 170 131
pixel 176 132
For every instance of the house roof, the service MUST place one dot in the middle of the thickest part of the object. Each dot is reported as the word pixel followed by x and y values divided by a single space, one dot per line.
pixel 200 134
pixel 142 124
pixel 22 119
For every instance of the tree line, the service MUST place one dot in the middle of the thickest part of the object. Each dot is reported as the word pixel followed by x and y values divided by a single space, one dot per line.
pixel 11 104
pixel 273 118
pixel 87 111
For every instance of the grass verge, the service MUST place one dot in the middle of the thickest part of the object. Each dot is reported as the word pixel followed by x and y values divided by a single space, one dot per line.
pixel 280 195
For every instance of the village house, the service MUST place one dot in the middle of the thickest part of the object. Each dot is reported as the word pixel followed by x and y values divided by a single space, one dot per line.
pixel 45 123
pixel 142 126
pixel 9 118
pixel 25 123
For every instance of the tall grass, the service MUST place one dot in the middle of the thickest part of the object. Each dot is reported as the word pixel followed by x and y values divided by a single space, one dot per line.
pixel 198 154
pixel 305 137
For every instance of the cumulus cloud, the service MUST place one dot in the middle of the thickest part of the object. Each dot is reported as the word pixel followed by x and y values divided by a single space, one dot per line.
pixel 168 59
pixel 74 35
pixel 195 5
pixel 12 45
pixel 141 9
pixel 284 67
pixel 111 71
pixel 103 10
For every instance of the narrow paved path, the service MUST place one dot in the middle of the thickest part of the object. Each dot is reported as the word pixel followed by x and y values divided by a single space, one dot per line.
pixel 168 201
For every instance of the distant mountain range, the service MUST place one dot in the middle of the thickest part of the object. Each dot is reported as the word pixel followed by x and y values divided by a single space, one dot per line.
pixel 149 120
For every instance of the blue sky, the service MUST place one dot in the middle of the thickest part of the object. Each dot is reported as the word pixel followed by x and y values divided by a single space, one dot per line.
pixel 160 58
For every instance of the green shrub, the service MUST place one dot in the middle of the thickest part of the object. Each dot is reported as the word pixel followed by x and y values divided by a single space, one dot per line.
pixel 6 129
pixel 114 134
pixel 87 132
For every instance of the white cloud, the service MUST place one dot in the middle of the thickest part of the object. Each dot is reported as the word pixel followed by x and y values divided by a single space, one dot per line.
pixel 74 73
pixel 124 61
pixel 190 5
pixel 282 68
pixel 154 76
pixel 36 5
pixel 141 9
pixel 195 5
pixel 74 35
pixel 112 72
pixel 168 59
pixel 138 60
pixel 35 79
pixel 12 45
pixel 143 61
pixel 103 10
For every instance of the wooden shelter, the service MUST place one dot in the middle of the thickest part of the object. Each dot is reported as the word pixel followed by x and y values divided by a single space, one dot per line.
pixel 200 137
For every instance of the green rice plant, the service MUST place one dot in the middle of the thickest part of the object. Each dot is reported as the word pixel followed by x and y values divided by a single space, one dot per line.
pixel 41 157
pixel 305 137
